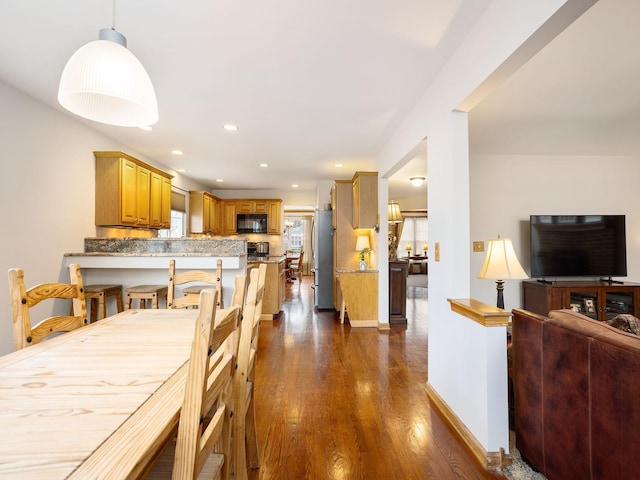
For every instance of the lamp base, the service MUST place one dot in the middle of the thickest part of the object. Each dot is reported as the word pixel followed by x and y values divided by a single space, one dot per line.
pixel 500 289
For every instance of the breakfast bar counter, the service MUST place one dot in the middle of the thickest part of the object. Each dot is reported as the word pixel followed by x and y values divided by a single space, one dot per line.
pixel 144 261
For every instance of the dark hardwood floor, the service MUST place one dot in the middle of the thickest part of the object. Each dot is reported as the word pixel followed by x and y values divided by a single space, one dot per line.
pixel 343 404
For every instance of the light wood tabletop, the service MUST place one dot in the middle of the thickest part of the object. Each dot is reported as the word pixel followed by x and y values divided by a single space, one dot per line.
pixel 97 402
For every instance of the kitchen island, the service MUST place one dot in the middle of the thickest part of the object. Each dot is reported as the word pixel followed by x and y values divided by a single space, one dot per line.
pixel 274 284
pixel 143 261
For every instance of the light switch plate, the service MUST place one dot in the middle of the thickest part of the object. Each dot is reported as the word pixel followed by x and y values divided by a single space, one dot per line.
pixel 437 251
pixel 478 246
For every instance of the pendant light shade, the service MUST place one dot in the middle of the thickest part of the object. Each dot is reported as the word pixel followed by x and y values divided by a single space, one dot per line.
pixel 105 82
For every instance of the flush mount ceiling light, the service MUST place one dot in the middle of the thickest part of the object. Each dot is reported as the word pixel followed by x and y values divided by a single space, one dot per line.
pixel 417 181
pixel 106 83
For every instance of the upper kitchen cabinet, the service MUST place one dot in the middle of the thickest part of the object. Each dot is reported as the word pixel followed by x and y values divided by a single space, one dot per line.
pixel 160 201
pixel 204 212
pixel 274 217
pixel 229 209
pixel 131 193
pixel 365 199
pixel 252 206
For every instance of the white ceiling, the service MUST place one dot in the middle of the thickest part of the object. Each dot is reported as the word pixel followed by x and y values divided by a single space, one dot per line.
pixel 312 84
pixel 309 84
pixel 580 95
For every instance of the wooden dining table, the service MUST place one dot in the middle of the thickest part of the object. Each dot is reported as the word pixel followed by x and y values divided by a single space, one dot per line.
pixel 99 402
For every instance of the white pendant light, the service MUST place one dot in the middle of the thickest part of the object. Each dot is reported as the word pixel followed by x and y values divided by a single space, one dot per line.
pixel 106 83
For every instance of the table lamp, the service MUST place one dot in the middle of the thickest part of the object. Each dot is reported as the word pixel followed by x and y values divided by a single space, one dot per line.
pixel 500 264
pixel 408 249
pixel 363 246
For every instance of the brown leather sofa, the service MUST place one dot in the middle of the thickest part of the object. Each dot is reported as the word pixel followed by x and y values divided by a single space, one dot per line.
pixel 577 396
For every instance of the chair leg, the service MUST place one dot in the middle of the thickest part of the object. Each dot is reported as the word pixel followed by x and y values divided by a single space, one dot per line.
pixel 102 307
pixel 252 437
pixel 239 448
pixel 119 305
pixel 94 310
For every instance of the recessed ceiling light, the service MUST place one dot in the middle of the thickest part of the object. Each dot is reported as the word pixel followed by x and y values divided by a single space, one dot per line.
pixel 417 181
pixel 295 185
pixel 181 170
pixel 338 165
pixel 176 152
pixel 146 128
pixel 264 165
pixel 219 180
pixel 230 127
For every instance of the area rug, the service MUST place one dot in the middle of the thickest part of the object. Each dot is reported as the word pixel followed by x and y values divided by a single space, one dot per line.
pixel 519 469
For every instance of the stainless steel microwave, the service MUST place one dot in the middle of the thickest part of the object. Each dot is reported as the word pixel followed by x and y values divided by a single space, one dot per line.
pixel 251 223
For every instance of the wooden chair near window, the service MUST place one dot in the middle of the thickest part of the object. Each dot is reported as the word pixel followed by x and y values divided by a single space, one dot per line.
pixel 193 282
pixel 245 441
pixel 294 270
pixel 25 332
pixel 203 446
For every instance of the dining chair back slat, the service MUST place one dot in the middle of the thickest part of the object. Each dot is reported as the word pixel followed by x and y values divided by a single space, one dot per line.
pixel 192 282
pixel 25 331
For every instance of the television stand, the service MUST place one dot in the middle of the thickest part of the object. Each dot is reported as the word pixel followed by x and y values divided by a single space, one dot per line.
pixel 597 299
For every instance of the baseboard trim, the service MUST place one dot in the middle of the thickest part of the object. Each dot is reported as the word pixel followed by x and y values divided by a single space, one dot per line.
pixel 490 460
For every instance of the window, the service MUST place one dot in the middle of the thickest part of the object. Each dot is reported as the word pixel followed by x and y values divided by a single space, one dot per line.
pixel 294 236
pixel 178 217
pixel 414 235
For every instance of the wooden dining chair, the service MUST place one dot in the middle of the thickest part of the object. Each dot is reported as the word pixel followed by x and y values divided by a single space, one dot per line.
pixel 25 332
pixel 245 441
pixel 203 445
pixel 295 269
pixel 192 283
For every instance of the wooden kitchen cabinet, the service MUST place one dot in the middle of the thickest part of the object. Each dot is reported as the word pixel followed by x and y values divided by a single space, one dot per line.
pixel 159 201
pixel 229 225
pixel 344 236
pixel 274 217
pixel 252 206
pixel 125 195
pixel 365 199
pixel 203 212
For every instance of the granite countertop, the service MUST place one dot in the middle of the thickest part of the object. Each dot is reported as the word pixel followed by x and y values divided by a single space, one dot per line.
pixel 162 247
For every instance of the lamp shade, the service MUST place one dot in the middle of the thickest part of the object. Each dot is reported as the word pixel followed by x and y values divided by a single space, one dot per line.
pixel 105 82
pixel 362 242
pixel 501 262
pixel 394 213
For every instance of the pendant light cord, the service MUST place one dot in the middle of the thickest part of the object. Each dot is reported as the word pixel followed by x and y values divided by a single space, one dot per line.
pixel 113 24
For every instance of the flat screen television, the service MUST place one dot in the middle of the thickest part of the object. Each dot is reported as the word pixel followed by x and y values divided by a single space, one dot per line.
pixel 578 246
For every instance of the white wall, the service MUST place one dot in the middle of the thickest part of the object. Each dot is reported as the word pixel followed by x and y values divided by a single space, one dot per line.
pixel 523 185
pixel 48 192
pixel 490 46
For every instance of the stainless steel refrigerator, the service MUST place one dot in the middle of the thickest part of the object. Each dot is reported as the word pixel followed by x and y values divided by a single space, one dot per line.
pixel 323 259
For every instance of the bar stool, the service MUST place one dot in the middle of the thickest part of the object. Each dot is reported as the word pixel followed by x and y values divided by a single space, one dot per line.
pixel 98 294
pixel 144 293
